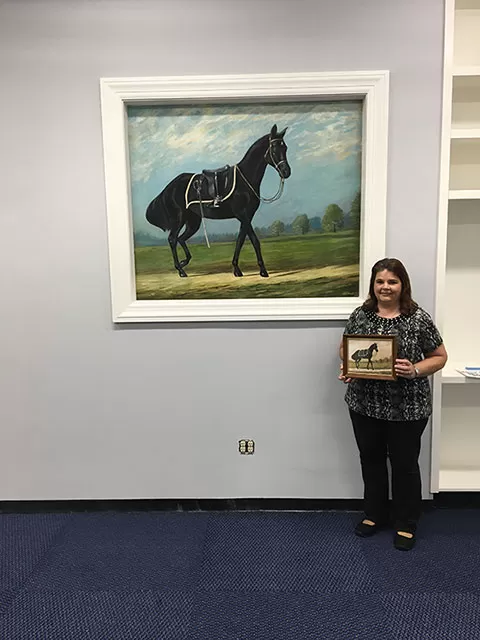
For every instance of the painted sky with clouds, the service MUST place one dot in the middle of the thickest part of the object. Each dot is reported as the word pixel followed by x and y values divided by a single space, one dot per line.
pixel 324 153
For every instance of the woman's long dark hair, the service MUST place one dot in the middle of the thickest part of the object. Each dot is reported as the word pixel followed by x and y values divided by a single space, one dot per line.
pixel 407 304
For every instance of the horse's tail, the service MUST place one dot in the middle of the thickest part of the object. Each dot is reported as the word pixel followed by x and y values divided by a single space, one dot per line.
pixel 163 211
pixel 354 355
pixel 157 213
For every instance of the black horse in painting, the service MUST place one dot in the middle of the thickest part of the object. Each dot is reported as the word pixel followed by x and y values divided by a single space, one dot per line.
pixel 365 354
pixel 221 194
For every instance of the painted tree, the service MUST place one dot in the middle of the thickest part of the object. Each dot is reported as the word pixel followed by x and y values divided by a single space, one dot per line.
pixel 301 224
pixel 355 212
pixel 333 218
pixel 277 228
pixel 316 223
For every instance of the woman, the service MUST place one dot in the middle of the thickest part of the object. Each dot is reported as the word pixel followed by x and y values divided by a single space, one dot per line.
pixel 389 417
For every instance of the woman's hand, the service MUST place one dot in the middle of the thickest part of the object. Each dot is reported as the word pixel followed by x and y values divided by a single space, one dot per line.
pixel 342 377
pixel 405 369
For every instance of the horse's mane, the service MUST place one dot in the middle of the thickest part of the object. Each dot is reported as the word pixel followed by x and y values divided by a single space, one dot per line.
pixel 263 141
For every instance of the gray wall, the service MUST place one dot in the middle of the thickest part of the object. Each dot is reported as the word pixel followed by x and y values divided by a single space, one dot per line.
pixel 93 411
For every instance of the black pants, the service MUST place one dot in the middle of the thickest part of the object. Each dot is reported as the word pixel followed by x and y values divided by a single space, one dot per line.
pixel 400 441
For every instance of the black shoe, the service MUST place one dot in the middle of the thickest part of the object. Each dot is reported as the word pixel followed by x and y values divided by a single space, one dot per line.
pixel 365 530
pixel 402 543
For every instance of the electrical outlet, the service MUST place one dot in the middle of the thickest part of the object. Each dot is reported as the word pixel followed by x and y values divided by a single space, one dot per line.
pixel 246 447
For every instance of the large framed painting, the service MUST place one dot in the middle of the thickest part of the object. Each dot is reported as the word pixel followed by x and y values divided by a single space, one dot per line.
pixel 252 197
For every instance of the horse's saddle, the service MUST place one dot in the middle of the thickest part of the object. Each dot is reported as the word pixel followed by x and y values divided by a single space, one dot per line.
pixel 216 184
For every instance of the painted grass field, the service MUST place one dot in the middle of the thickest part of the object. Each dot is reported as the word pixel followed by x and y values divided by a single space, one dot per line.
pixel 378 367
pixel 312 265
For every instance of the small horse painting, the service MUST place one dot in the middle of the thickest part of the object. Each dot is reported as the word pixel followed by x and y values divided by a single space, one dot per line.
pixel 365 354
pixel 370 356
pixel 220 194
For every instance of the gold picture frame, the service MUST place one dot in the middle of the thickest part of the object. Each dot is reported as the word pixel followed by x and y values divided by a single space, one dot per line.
pixel 370 357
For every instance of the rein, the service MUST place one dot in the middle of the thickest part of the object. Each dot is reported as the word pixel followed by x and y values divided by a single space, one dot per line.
pixel 277 166
pixel 261 198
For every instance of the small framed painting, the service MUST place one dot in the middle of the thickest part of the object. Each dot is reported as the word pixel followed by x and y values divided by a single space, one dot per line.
pixel 370 356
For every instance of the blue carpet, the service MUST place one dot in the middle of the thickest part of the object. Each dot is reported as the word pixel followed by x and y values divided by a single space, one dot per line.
pixel 287 552
pixel 236 576
pixel 288 616
pixel 24 540
pixel 125 552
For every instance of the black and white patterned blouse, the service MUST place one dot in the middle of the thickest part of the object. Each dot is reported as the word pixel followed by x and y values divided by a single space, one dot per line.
pixel 400 399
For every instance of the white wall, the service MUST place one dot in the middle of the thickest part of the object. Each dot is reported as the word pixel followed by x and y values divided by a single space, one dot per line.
pixel 93 411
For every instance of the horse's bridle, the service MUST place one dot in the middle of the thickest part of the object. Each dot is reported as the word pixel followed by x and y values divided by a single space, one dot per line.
pixel 269 152
pixel 276 165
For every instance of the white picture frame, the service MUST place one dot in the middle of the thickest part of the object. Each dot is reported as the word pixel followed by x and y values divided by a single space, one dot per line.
pixel 117 93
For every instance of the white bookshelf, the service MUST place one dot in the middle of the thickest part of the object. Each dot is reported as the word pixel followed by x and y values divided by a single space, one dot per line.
pixel 451 374
pixel 465 134
pixel 465 164
pixel 460 442
pixel 456 411
pixel 465 122
pixel 460 71
pixel 466 44
pixel 464 194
